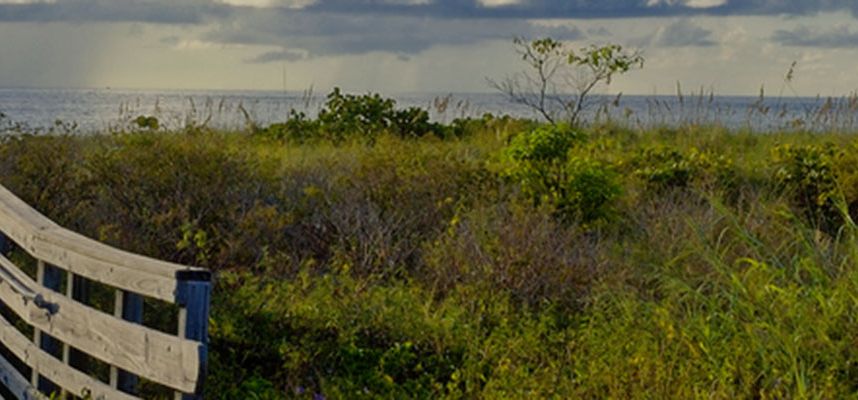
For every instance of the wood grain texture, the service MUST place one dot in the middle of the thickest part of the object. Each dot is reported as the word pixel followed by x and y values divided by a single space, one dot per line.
pixel 17 383
pixel 72 380
pixel 73 252
pixel 169 360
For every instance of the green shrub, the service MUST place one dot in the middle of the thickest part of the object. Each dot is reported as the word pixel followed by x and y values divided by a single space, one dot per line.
pixel 366 116
pixel 361 117
pixel 501 126
pixel 413 122
pixel 579 188
pixel 588 192
pixel 298 128
pixel 845 166
pixel 806 174
pixel 546 144
pixel 147 123
pixel 346 115
pixel 662 168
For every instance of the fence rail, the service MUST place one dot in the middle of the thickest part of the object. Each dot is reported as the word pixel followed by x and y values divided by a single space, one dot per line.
pixel 66 330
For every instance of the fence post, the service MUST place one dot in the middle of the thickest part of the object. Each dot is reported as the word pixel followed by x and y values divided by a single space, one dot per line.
pixel 128 306
pixel 193 295
pixel 78 289
pixel 5 245
pixel 51 278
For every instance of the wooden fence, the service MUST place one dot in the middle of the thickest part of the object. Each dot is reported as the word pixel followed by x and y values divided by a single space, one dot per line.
pixel 52 303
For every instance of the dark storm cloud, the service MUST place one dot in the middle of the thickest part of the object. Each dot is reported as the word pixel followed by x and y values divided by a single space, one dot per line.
pixel 324 34
pixel 838 37
pixel 196 11
pixel 406 27
pixel 149 11
pixel 585 8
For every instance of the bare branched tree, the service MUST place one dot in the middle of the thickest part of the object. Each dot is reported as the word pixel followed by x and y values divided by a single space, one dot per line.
pixel 558 80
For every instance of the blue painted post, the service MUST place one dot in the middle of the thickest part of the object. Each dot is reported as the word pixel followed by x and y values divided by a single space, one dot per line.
pixel 78 289
pixel 129 306
pixel 5 244
pixel 51 278
pixel 193 295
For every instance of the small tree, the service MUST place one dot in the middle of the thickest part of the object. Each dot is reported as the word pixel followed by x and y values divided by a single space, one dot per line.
pixel 559 79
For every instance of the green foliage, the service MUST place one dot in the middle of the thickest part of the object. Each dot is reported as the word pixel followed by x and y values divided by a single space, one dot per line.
pixel 588 191
pixel 502 126
pixel 662 168
pixel 546 144
pixel 147 123
pixel 579 188
pixel 298 128
pixel 806 174
pixel 464 268
pixel 362 117
pixel 559 79
pixel 605 61
pixel 666 168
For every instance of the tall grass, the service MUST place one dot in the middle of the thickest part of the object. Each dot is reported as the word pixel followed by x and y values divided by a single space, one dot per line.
pixel 419 268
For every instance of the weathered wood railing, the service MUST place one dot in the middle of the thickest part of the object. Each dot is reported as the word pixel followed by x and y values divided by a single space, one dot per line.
pixel 65 326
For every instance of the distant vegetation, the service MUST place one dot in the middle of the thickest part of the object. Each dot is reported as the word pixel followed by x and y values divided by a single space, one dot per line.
pixel 372 253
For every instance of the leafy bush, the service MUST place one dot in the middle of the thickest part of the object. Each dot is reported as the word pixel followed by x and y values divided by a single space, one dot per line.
pixel 147 123
pixel 413 122
pixel 501 126
pixel 298 128
pixel 366 116
pixel 579 188
pixel 806 174
pixel 363 116
pixel 546 144
pixel 588 191
pixel 662 168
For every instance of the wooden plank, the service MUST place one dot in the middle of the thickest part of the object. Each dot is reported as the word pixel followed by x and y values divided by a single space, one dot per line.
pixel 19 219
pixel 128 306
pixel 47 241
pixel 17 383
pixel 157 356
pixel 193 297
pixel 103 264
pixel 70 379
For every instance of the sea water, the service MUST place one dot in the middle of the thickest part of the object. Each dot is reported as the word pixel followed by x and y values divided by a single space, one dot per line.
pixel 105 110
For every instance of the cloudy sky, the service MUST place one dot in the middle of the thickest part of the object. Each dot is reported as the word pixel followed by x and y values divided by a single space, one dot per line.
pixel 729 46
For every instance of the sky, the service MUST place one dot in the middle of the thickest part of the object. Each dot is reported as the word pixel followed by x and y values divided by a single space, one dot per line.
pixel 729 47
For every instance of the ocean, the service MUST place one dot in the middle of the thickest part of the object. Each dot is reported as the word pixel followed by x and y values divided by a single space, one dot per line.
pixel 104 110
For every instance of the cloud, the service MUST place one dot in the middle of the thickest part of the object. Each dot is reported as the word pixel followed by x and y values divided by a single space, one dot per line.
pixel 297 4
pixel 279 55
pixel 682 33
pixel 198 11
pixel 837 37
pixel 149 11
pixel 600 31
pixel 405 27
pixel 586 8
pixel 321 34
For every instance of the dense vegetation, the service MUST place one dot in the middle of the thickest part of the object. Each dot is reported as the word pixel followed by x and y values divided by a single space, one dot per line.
pixel 387 256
